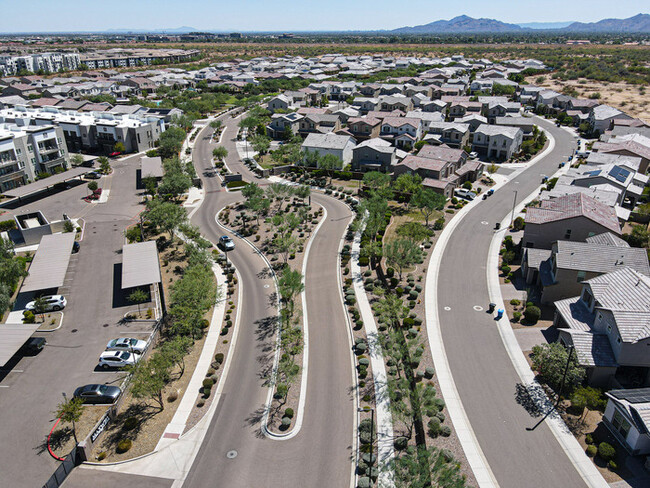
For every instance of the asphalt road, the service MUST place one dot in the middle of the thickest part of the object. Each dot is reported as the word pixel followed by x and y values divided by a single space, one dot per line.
pixel 485 377
pixel 31 387
pixel 320 455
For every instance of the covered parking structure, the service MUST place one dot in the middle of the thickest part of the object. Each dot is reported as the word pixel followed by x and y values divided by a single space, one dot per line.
pixel 44 186
pixel 50 263
pixel 12 337
pixel 141 267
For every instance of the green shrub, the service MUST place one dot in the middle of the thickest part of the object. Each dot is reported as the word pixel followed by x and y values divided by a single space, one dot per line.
pixel 123 446
pixel 208 383
pixel 445 431
pixel 364 482
pixel 532 314
pixel 441 416
pixel 364 361
pixel 515 302
pixel 606 451
pixel 130 423
pixel 612 466
pixel 390 272
pixel 592 450
pixel 7 225
pixel 516 316
pixel 429 372
pixel 365 425
pixel 505 269
pixel 589 439
pixel 447 455
pixel 434 426
pixel 408 322
pixel 401 443
pixel 29 317
pixel 439 403
pixel 364 261
pixel 218 358
pixel 286 422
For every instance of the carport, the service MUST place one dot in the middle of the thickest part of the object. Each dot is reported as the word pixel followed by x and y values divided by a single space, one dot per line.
pixel 50 263
pixel 12 337
pixel 140 267
pixel 46 184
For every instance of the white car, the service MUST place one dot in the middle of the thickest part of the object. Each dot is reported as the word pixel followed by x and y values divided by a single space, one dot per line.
pixel 128 344
pixel 117 359
pixel 53 302
pixel 464 193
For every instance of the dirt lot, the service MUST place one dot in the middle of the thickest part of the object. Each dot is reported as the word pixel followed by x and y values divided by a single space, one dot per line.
pixel 632 99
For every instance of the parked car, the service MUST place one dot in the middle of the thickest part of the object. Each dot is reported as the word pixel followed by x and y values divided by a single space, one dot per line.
pixel 226 243
pixel 33 346
pixel 117 359
pixel 114 154
pixel 466 194
pixel 128 344
pixel 54 302
pixel 92 175
pixel 473 155
pixel 98 393
pixel 75 247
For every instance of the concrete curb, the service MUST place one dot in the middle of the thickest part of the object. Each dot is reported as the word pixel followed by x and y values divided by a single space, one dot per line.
pixel 385 434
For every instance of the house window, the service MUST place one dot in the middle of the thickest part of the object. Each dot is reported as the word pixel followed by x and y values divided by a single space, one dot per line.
pixel 609 329
pixel 30 148
pixel 567 234
pixel 581 276
pixel 620 424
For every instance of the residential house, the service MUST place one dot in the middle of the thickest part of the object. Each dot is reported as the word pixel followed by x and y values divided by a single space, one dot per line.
pixel 526 124
pixel 374 155
pixel 627 416
pixel 568 264
pixel 281 124
pixel 498 142
pixel 366 104
pixel 402 131
pixel 634 147
pixel 502 109
pixel 473 120
pixel 339 145
pixel 452 134
pixel 279 102
pixel 363 128
pixel 461 109
pixel 434 106
pixel 427 118
pixel 572 217
pixel 319 123
pixel 601 118
pixel 608 324
pixel 391 103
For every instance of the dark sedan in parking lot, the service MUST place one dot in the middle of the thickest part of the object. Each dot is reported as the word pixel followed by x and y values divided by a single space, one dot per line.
pixel 98 393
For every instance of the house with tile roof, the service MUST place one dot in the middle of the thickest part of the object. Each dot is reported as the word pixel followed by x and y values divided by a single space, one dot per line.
pixel 498 142
pixel 573 217
pixel 601 118
pixel 563 268
pixel 608 324
pixel 374 154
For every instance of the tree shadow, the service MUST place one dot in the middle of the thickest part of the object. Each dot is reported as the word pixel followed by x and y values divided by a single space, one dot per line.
pixel 115 430
pixel 265 328
pixel 528 396
pixel 58 439
pixel 255 418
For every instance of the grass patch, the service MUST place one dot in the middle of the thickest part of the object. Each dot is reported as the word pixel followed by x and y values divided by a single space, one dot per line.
pixel 236 185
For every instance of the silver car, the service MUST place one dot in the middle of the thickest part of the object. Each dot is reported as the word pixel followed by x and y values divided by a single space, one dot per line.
pixel 128 344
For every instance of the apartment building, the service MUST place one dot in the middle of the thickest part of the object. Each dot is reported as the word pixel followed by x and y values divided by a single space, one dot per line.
pixel 46 62
pixel 27 151
pixel 95 132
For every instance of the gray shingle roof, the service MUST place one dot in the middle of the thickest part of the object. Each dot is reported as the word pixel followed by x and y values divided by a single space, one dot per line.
pixel 595 258
pixel 607 239
pixel 326 141
pixel 592 349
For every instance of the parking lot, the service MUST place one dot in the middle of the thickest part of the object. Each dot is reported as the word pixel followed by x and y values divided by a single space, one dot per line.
pixel 31 387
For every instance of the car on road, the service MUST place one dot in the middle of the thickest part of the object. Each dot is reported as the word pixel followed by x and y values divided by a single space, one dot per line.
pixel 117 359
pixel 53 302
pixel 128 344
pixel 105 394
pixel 33 346
pixel 464 193
pixel 92 175
pixel 226 243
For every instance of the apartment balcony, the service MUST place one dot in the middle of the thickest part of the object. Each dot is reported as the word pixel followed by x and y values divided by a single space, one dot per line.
pixel 52 163
pixel 19 175
pixel 8 162
pixel 48 150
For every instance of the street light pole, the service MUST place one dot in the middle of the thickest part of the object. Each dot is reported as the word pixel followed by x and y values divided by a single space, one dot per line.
pixel 566 369
pixel 514 204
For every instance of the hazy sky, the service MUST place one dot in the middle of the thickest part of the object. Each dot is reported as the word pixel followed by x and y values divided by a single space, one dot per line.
pixel 278 15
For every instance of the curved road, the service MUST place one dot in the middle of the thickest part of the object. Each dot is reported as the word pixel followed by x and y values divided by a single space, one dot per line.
pixel 320 455
pixel 484 375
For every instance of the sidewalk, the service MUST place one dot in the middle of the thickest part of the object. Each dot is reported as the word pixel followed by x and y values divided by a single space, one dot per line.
pixel 382 403
pixel 175 452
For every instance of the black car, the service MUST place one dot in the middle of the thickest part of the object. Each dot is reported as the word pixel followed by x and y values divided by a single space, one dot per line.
pixel 98 393
pixel 34 345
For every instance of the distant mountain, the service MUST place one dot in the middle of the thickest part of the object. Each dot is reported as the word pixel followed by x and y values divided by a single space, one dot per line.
pixel 175 30
pixel 638 23
pixel 545 25
pixel 461 24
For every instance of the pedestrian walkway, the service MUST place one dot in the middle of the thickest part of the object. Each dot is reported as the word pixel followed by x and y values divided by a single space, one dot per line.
pixel 382 403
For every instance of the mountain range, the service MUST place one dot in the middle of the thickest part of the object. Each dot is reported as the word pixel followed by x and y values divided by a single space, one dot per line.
pixel 464 24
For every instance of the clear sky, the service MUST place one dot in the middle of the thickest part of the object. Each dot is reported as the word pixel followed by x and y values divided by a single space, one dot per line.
pixel 283 15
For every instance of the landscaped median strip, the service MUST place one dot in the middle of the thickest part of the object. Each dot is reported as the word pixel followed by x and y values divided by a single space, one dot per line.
pixel 385 448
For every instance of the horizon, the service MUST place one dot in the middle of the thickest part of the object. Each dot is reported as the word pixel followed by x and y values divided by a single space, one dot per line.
pixel 46 17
